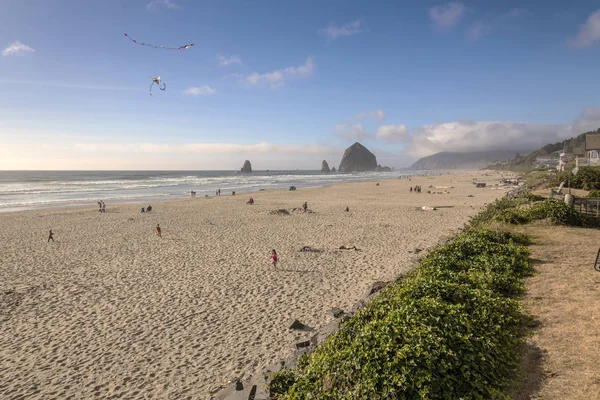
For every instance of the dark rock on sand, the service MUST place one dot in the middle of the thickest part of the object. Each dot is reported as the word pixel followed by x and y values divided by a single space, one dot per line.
pixel 358 158
pixel 336 312
pixel 305 343
pixel 376 287
pixel 281 211
pixel 299 326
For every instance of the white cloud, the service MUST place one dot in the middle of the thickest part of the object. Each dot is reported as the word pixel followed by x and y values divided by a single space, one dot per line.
pixel 589 32
pixel 479 29
pixel 162 3
pixel 353 133
pixel 278 78
pixel 392 133
pixel 447 16
pixel 333 31
pixel 224 61
pixel 485 26
pixel 200 91
pixel 497 135
pixel 377 115
pixel 17 48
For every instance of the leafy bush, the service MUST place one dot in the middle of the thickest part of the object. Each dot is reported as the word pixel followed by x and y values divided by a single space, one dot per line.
pixel 504 210
pixel 491 211
pixel 587 178
pixel 594 193
pixel 553 210
pixel 531 197
pixel 450 329
pixel 281 382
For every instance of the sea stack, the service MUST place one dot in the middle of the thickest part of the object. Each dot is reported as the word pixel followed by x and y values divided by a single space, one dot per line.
pixel 247 167
pixel 325 167
pixel 358 158
pixel 383 169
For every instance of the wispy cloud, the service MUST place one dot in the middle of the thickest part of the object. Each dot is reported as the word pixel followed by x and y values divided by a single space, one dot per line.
pixel 447 16
pixel 333 31
pixel 589 32
pixel 355 132
pixel 162 3
pixel 377 115
pixel 392 133
pixel 279 77
pixel 16 49
pixel 224 61
pixel 200 91
pixel 485 26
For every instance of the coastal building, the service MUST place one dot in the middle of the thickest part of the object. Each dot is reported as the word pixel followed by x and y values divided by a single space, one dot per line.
pixel 591 151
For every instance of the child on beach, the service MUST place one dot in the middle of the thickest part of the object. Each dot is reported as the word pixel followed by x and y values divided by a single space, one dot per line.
pixel 274 257
pixel 51 236
pixel 158 231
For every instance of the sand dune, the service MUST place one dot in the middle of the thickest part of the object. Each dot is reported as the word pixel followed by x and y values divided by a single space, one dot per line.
pixel 110 310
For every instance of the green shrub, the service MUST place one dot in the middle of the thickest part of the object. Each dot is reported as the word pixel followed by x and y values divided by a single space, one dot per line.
pixel 281 382
pixel 594 193
pixel 587 178
pixel 531 197
pixel 555 211
pixel 450 329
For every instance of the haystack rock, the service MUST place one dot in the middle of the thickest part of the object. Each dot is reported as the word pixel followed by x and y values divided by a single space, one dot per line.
pixel 333 169
pixel 325 167
pixel 247 168
pixel 358 158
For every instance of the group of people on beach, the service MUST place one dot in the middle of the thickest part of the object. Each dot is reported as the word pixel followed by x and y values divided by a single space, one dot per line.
pixel 101 206
pixel 417 189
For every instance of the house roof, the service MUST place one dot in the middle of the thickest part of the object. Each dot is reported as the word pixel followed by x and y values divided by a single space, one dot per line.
pixel 578 151
pixel 592 142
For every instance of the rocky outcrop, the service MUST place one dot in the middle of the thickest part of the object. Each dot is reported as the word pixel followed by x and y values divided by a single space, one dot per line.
pixel 333 169
pixel 358 158
pixel 325 167
pixel 247 167
pixel 383 169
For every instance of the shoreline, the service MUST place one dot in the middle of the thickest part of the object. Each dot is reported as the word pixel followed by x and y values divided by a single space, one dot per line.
pixel 142 198
pixel 183 314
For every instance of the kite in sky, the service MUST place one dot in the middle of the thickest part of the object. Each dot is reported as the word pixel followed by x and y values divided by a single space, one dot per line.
pixel 184 47
pixel 161 85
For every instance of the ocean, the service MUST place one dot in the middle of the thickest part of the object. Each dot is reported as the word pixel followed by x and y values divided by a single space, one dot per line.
pixel 22 190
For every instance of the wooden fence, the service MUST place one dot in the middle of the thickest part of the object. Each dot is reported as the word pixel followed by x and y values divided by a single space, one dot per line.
pixel 588 205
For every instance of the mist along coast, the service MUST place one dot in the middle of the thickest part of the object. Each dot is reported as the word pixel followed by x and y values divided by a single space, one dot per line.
pixel 108 308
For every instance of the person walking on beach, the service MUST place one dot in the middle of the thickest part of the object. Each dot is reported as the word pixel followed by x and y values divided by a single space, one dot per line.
pixel 50 236
pixel 305 206
pixel 274 258
pixel 158 231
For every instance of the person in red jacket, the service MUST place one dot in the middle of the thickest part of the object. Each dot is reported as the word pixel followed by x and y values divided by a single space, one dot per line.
pixel 274 257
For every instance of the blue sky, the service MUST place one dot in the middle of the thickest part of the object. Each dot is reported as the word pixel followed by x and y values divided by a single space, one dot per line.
pixel 287 84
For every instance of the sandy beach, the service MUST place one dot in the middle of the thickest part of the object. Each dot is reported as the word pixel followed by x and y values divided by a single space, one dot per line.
pixel 110 310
